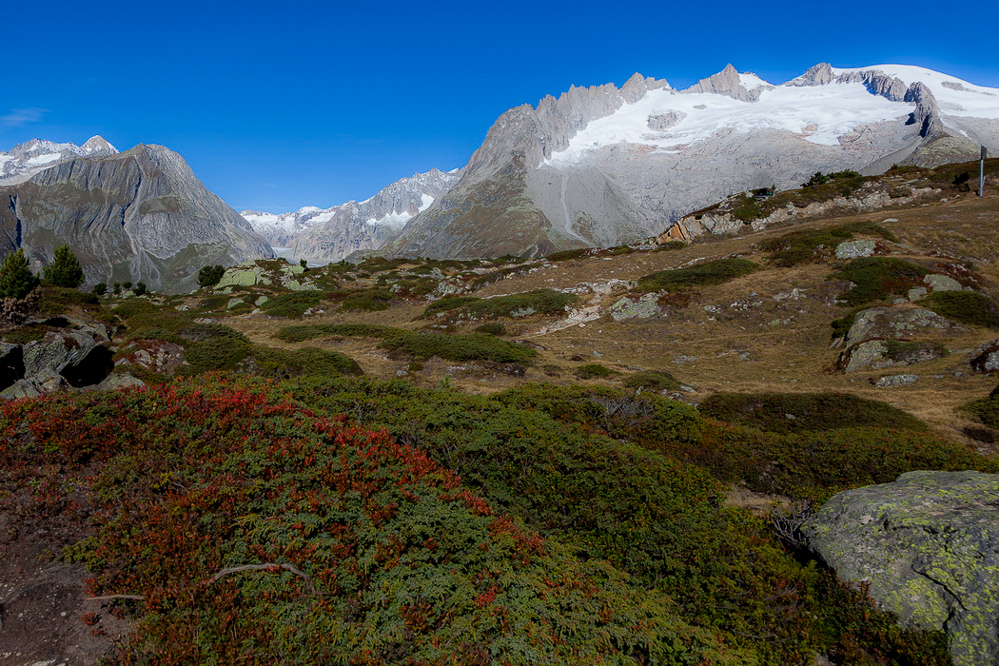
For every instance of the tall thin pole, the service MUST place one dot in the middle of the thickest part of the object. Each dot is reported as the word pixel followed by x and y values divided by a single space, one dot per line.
pixel 981 173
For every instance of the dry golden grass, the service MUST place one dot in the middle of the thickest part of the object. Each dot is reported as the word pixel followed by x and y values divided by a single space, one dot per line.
pixel 769 331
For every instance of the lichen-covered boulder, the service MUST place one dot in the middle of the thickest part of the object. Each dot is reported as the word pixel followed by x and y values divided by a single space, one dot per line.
pixel 854 249
pixel 632 308
pixel 893 335
pixel 928 547
pixel 892 322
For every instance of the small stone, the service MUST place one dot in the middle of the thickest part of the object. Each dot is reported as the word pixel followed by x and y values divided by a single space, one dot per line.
pixel 854 249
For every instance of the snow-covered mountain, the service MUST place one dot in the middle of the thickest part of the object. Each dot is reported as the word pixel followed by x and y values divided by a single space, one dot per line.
pixel 323 235
pixel 603 166
pixel 31 157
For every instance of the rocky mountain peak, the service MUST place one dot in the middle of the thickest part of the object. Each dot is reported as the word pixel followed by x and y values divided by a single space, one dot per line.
pixel 98 145
pixel 730 83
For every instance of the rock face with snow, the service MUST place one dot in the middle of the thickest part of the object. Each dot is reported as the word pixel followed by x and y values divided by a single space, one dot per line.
pixel 141 215
pixel 326 235
pixel 26 159
pixel 601 166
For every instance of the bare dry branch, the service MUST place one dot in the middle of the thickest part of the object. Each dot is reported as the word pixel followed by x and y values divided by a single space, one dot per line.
pixel 264 567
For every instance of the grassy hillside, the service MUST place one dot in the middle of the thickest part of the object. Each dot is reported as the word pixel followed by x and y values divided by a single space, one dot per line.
pixel 593 458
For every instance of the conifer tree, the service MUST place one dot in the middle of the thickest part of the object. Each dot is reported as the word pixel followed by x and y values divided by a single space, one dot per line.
pixel 16 278
pixel 65 269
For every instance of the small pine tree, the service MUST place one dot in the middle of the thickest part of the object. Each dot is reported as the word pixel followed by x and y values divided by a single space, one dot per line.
pixel 16 278
pixel 100 289
pixel 140 289
pixel 65 269
pixel 209 276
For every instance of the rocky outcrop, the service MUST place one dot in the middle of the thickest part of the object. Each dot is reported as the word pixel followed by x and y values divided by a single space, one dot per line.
pixel 728 82
pixel 68 357
pixel 141 215
pixel 895 335
pixel 927 547
pixel 986 358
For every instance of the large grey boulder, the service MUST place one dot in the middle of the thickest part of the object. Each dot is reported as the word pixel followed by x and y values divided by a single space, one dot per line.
pixel 986 357
pixel 928 547
pixel 73 355
pixel 893 335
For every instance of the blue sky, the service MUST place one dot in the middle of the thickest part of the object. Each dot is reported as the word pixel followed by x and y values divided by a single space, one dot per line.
pixel 282 105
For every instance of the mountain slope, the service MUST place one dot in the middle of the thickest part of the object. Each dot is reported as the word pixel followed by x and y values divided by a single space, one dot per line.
pixel 138 215
pixel 601 166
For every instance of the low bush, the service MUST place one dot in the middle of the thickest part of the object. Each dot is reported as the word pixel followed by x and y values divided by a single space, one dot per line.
pixel 447 304
pixel 286 363
pixel 702 275
pixel 966 307
pixel 806 412
pixel 651 380
pixel 804 246
pixel 215 353
pixel 595 371
pixel 570 255
pixel 305 332
pixel 494 328
pixel 877 278
pixel 253 529
pixel 367 300
pixel 984 410
pixel 473 347
pixel 293 305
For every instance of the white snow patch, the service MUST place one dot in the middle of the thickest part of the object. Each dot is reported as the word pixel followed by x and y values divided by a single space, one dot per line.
pixel 43 159
pixel 835 109
pixel 393 219
pixel 969 101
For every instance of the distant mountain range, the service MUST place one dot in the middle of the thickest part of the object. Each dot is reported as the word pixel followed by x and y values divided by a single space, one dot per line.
pixel 597 166
pixel 322 235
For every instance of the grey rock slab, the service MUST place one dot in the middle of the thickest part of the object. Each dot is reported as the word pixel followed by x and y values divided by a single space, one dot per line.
pixel 897 323
pixel 937 282
pixel 893 381
pixel 928 547
pixel 854 249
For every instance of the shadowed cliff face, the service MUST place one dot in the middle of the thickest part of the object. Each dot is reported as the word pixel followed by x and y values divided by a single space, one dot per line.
pixel 141 215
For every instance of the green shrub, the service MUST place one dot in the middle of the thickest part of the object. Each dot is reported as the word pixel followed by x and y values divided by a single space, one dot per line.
pixel 652 380
pixel 65 270
pixel 595 371
pixel 876 278
pixel 447 304
pixel 966 307
pixel 569 255
pixel 701 275
pixel 494 328
pixel 806 412
pixel 984 410
pixel 311 331
pixel 100 289
pixel 808 245
pixel 196 332
pixel 285 363
pixel 367 300
pixel 293 305
pixel 473 347
pixel 215 353
pixel 209 276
